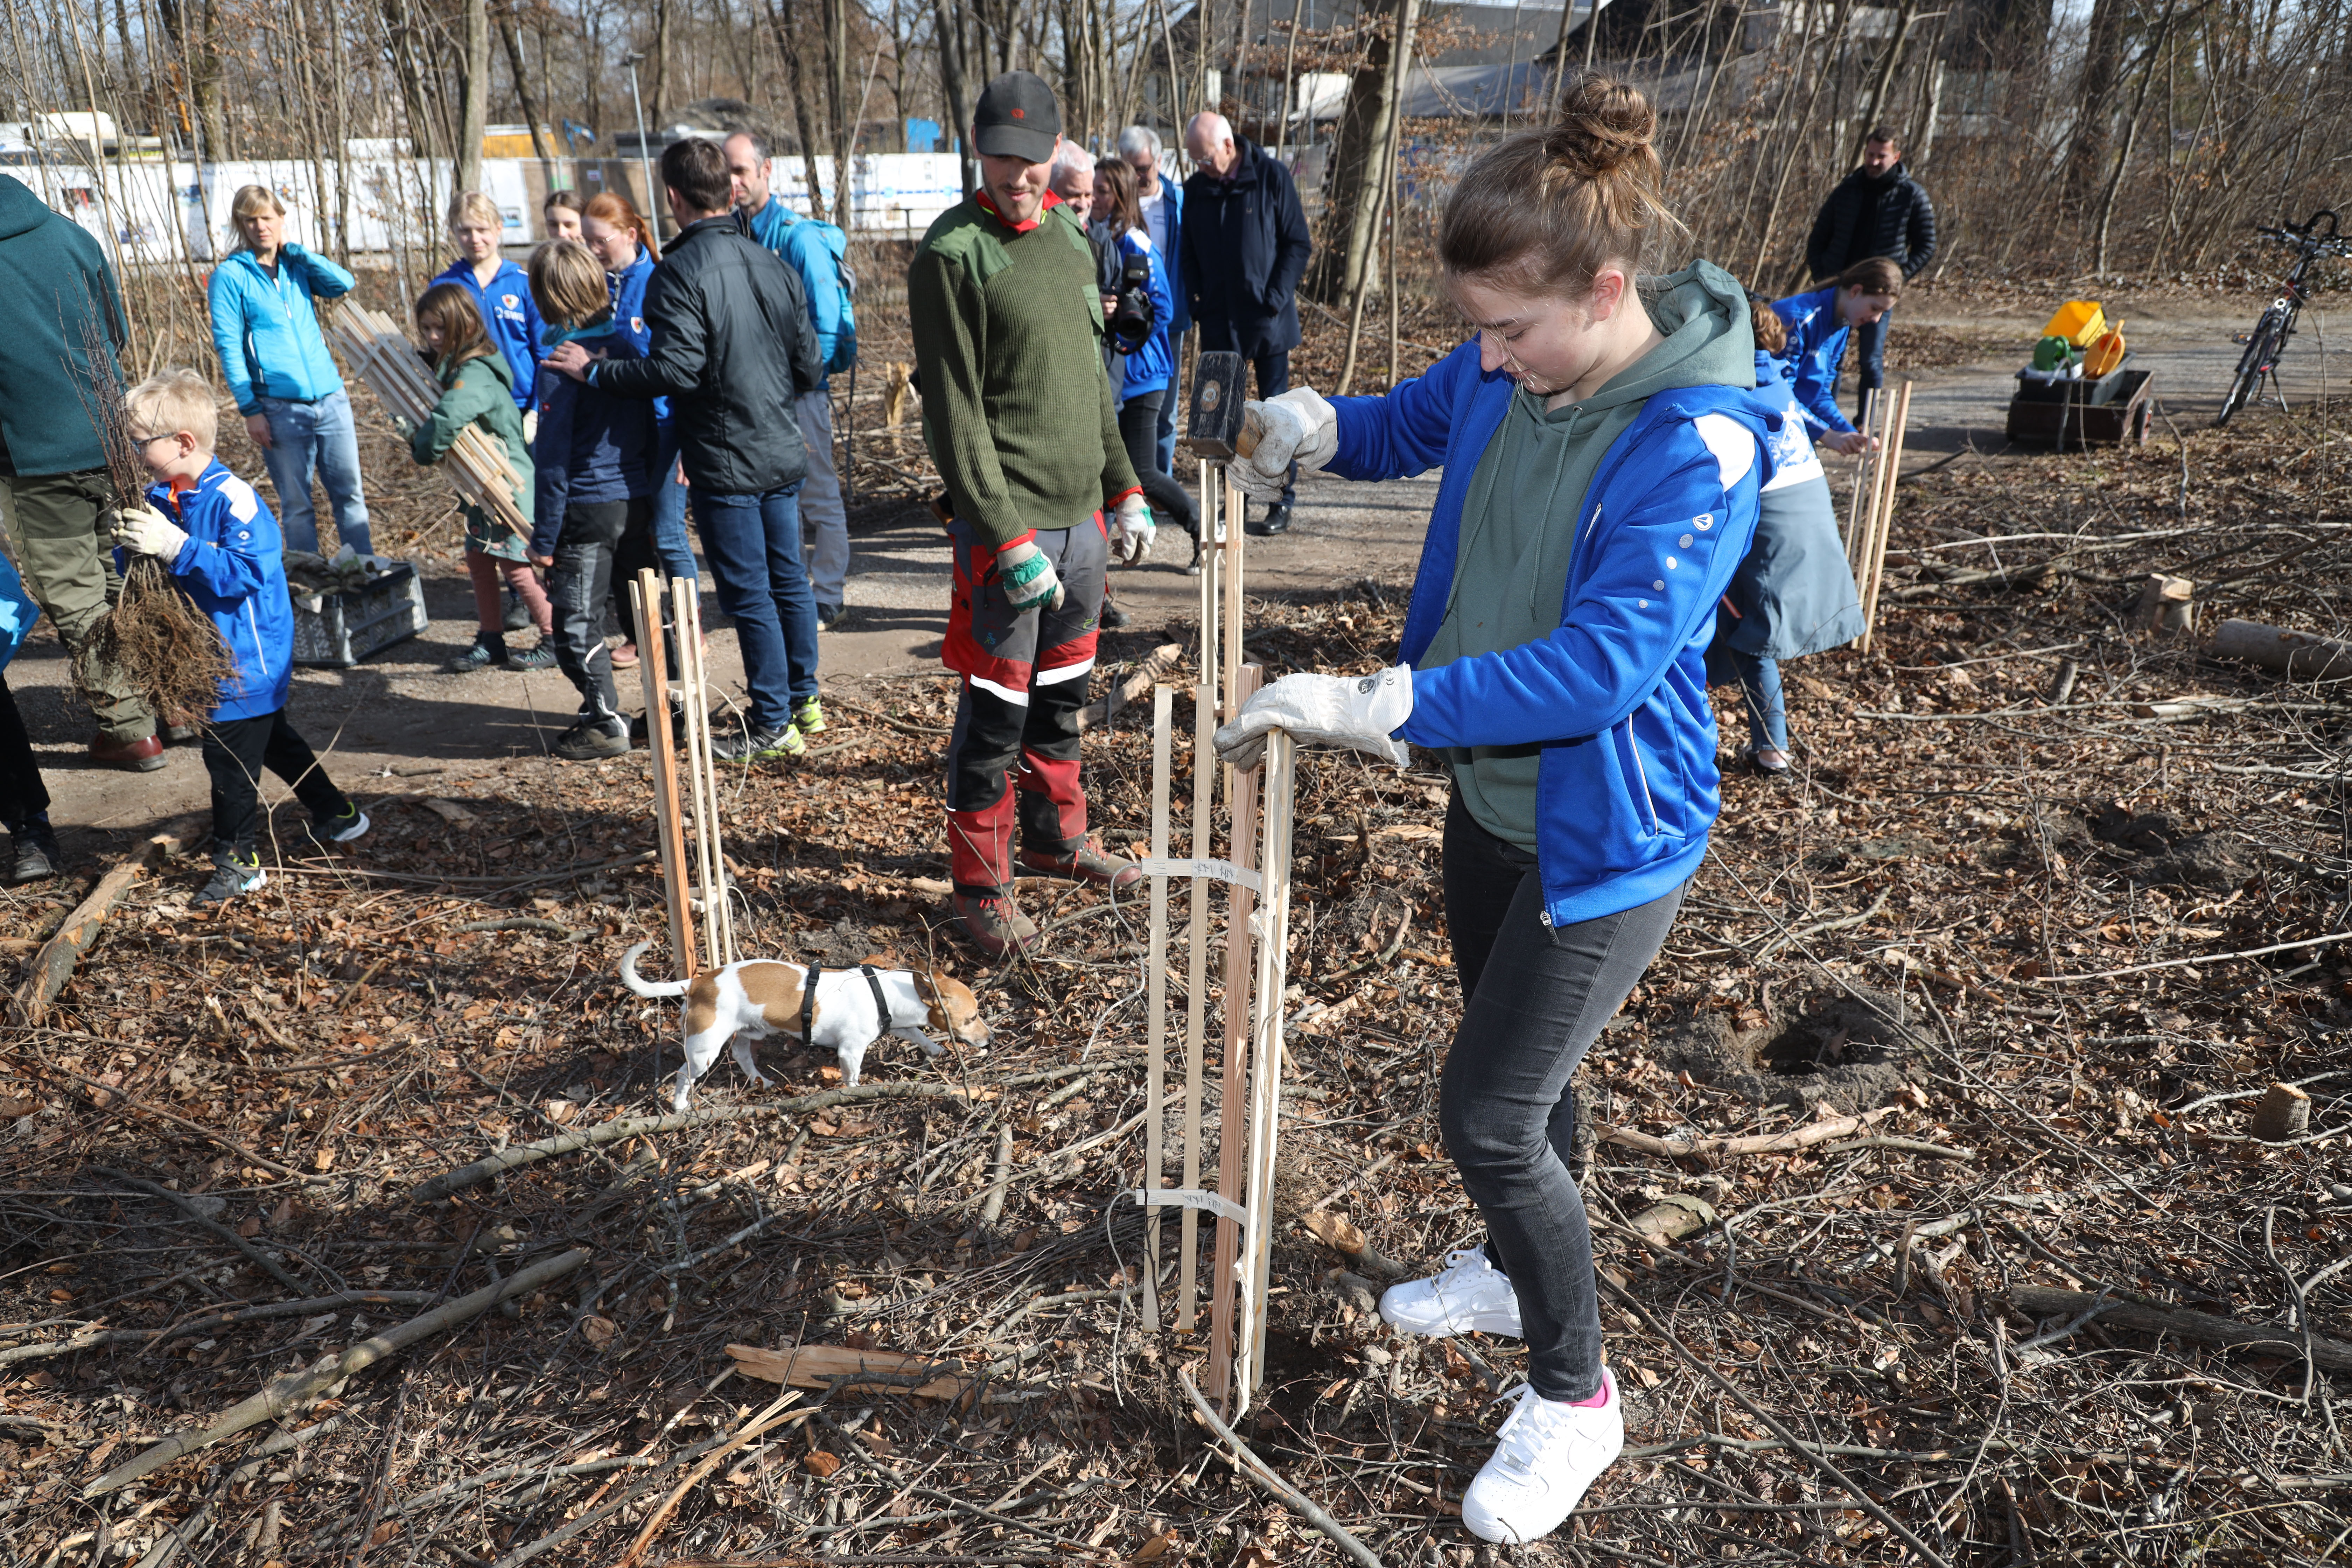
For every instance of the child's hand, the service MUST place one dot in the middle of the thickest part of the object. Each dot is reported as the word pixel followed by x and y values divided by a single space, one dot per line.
pixel 544 562
pixel 143 530
pixel 1848 442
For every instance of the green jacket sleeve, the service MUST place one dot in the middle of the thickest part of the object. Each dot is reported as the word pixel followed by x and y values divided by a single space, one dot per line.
pixel 468 399
pixel 949 316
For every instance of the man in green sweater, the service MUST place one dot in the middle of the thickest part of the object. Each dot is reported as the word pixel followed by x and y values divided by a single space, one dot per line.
pixel 1022 423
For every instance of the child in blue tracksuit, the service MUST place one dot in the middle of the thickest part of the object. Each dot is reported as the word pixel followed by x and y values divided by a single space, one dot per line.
pixel 501 291
pixel 593 474
pixel 221 544
pixel 1817 326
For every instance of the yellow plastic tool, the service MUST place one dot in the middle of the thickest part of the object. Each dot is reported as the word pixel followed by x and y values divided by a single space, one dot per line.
pixel 2077 321
pixel 2105 352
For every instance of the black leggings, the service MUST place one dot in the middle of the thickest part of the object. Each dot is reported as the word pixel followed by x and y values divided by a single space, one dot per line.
pixel 1504 1103
pixel 1138 432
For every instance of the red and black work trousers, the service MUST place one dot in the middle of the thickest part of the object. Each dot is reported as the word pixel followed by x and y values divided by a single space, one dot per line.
pixel 1013 754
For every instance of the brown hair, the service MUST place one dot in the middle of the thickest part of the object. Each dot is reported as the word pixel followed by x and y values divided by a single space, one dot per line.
pixel 697 170
pixel 1874 274
pixel 1886 134
pixel 567 197
pixel 1551 208
pixel 613 207
pixel 1771 332
pixel 568 283
pixel 450 308
pixel 1126 207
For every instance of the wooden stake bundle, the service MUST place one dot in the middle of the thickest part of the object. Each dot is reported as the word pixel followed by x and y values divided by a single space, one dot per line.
pixel 1890 469
pixel 1155 1168
pixel 381 356
pixel 646 600
pixel 702 782
pixel 1279 779
pixel 1232 1140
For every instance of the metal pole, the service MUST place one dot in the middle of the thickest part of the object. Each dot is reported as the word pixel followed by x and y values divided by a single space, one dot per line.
pixel 645 164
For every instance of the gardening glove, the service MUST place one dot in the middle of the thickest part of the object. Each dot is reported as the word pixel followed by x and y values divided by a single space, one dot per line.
pixel 143 530
pixel 404 426
pixel 1296 427
pixel 1028 576
pixel 1131 529
pixel 1359 712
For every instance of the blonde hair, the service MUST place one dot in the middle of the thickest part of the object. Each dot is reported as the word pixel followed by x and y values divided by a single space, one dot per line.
pixel 1550 208
pixel 568 283
pixel 252 199
pixel 172 401
pixel 472 206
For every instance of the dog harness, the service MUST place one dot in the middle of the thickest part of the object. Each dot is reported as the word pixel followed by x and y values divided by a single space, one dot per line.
pixel 808 997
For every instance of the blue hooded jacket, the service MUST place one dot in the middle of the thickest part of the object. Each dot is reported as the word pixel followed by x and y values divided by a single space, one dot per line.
pixel 593 445
pixel 233 568
pixel 1627 786
pixel 1152 367
pixel 628 285
pixel 814 249
pixel 512 317
pixel 266 329
pixel 1816 349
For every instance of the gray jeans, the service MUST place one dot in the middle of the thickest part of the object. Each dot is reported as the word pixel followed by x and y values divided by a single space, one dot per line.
pixel 1505 1103
pixel 824 521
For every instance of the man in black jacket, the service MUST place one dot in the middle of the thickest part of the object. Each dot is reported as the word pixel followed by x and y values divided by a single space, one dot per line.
pixel 1877 210
pixel 1245 247
pixel 733 349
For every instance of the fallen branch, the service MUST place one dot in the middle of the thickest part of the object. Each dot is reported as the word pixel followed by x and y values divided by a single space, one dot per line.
pixel 196 1217
pixel 774 1416
pixel 296 1390
pixel 305 1308
pixel 1761 1143
pixel 2042 1301
pixel 1263 1473
pixel 1101 710
pixel 54 964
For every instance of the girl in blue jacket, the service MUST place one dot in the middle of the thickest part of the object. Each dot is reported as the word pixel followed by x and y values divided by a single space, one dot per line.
pixel 220 544
pixel 592 468
pixel 501 290
pixel 1818 325
pixel 1149 368
pixel 1603 451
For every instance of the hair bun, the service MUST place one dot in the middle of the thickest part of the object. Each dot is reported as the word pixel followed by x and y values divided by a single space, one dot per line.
pixel 1604 125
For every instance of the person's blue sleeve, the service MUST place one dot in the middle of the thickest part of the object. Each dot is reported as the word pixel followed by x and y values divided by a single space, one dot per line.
pixel 230 567
pixel 325 280
pixel 806 248
pixel 1661 567
pixel 1816 380
pixel 226 302
pixel 1404 432
pixel 1163 303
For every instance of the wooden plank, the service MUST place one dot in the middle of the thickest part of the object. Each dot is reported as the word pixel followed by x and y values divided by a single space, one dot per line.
pixel 701 782
pixel 1155 1168
pixel 652 665
pixel 1279 775
pixel 1234 581
pixel 1196 957
pixel 1232 1121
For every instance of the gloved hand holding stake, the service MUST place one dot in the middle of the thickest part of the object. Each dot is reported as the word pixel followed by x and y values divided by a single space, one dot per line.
pixel 143 530
pixel 1298 427
pixel 1359 712
pixel 1132 529
pixel 1029 578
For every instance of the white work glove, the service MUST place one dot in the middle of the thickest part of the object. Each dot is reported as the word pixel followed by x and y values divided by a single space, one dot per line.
pixel 1298 427
pixel 404 426
pixel 143 530
pixel 1359 712
pixel 1028 576
pixel 1132 529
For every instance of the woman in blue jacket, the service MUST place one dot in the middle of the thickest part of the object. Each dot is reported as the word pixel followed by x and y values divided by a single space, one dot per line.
pixel 501 293
pixel 1148 368
pixel 275 359
pixel 1603 451
pixel 1818 325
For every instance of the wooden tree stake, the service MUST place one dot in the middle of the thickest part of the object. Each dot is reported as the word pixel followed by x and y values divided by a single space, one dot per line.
pixel 1155 1168
pixel 646 597
pixel 1233 1130
pixel 1196 995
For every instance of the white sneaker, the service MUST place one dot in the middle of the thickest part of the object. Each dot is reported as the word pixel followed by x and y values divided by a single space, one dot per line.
pixel 1470 1295
pixel 1545 1457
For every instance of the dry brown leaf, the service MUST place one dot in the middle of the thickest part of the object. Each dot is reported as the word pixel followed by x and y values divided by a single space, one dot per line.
pixel 1337 1231
pixel 1154 1549
pixel 821 1464
pixel 598 1331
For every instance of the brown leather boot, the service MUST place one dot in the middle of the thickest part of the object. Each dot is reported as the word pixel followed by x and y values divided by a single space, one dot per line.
pixel 143 755
pixel 1087 865
pixel 993 924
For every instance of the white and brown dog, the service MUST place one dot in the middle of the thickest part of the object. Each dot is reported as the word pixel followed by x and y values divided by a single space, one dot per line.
pixel 847 1009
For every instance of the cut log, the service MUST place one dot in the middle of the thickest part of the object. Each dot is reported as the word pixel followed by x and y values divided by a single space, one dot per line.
pixel 1671 1217
pixel 2283 1112
pixel 1099 712
pixel 2040 1301
pixel 54 964
pixel 2167 605
pixel 2300 655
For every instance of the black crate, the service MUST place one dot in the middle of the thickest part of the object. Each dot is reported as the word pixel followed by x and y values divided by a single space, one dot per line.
pixel 340 629
pixel 2084 393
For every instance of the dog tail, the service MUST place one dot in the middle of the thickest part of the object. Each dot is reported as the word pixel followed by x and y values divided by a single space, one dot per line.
pixel 647 987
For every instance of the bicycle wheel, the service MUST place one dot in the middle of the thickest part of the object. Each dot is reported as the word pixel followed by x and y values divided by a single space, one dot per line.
pixel 2252 365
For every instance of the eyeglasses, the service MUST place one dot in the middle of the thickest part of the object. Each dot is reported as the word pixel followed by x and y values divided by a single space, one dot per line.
pixel 146 441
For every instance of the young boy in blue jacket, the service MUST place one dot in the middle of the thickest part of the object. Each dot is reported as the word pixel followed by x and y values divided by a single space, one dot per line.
pixel 221 544
pixel 594 478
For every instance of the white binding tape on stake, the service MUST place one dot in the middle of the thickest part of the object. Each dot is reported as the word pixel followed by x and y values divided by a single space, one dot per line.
pixel 1222 870
pixel 1190 1198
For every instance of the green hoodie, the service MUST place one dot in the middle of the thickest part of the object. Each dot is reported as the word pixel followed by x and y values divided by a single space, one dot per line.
pixel 55 288
pixel 1518 520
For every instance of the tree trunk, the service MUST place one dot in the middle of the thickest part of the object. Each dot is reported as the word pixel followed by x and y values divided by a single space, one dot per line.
pixel 539 148
pixel 947 36
pixel 784 24
pixel 474 117
pixel 1362 160
pixel 840 108
pixel 660 64
pixel 2103 55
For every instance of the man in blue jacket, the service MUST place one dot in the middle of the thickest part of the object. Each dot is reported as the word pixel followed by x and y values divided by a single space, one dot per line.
pixel 55 293
pixel 1162 202
pixel 275 359
pixel 813 248
pixel 1245 247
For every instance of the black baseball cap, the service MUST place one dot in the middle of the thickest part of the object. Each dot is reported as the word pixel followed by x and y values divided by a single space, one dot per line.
pixel 1018 118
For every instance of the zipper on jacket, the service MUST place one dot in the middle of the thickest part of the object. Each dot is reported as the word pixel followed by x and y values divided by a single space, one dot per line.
pixel 1642 773
pixel 260 655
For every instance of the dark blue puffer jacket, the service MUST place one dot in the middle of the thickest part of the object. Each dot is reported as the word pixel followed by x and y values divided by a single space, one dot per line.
pixel 593 445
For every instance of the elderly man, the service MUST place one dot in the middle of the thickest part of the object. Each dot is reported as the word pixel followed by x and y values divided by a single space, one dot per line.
pixel 1243 249
pixel 1020 421
pixel 1877 210
pixel 1162 202
pixel 814 249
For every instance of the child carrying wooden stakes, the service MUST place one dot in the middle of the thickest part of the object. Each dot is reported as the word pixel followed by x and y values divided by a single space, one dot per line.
pixel 478 389
pixel 221 544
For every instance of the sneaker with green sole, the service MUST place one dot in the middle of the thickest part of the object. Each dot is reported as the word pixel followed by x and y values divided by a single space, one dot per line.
pixel 808 716
pixel 757 745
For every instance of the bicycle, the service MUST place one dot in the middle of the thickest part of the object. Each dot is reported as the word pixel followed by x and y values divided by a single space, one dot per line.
pixel 2268 340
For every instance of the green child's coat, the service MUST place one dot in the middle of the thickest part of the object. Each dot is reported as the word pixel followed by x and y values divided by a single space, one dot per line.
pixel 479 392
